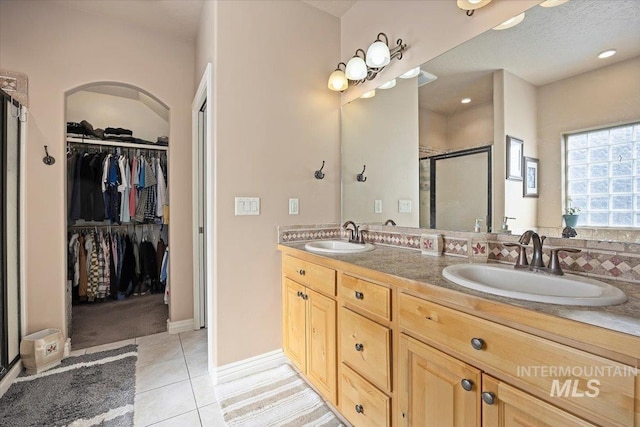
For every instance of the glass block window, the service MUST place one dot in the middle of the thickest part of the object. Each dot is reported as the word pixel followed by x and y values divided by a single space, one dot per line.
pixel 603 176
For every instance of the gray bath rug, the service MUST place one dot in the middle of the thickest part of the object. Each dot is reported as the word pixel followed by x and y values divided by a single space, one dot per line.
pixel 276 397
pixel 96 389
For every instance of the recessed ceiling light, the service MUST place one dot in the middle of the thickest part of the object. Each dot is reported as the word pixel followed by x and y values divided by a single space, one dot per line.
pixel 466 100
pixel 411 73
pixel 553 3
pixel 510 22
pixel 607 53
pixel 369 94
pixel 388 85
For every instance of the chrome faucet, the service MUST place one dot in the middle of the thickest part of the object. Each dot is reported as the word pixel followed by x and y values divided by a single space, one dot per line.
pixel 356 235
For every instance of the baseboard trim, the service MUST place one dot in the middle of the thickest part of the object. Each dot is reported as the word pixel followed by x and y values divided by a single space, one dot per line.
pixel 179 326
pixel 249 366
pixel 8 379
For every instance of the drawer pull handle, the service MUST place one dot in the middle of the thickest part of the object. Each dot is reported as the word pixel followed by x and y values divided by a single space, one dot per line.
pixel 466 384
pixel 359 347
pixel 477 343
pixel 301 272
pixel 488 397
pixel 359 409
pixel 359 295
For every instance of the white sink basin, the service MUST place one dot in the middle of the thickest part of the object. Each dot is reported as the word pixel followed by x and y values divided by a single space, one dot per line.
pixel 337 247
pixel 525 285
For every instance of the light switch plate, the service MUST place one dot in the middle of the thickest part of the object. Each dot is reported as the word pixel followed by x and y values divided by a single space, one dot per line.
pixel 247 205
pixel 293 206
pixel 377 207
pixel 404 206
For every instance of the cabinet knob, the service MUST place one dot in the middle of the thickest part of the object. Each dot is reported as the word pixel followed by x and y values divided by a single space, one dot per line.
pixel 359 347
pixel 301 272
pixel 488 397
pixel 305 296
pixel 466 384
pixel 359 409
pixel 359 295
pixel 299 293
pixel 477 343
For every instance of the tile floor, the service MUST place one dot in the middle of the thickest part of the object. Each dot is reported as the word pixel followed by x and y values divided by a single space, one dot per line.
pixel 173 387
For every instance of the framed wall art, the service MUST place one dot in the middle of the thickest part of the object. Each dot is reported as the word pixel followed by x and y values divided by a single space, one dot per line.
pixel 515 148
pixel 530 184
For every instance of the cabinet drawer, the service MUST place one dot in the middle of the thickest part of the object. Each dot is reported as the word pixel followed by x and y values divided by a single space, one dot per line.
pixel 317 277
pixel 361 403
pixel 366 347
pixel 368 296
pixel 563 375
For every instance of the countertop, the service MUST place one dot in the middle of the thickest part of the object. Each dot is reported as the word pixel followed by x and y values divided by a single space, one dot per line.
pixel 422 272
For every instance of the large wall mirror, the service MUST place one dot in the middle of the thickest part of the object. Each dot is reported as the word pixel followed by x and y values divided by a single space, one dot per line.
pixel 537 82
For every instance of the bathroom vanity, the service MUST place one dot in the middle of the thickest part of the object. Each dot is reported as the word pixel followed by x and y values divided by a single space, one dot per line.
pixel 390 342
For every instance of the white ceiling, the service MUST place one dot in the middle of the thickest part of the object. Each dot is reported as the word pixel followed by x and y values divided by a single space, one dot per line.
pixel 335 7
pixel 549 45
pixel 179 18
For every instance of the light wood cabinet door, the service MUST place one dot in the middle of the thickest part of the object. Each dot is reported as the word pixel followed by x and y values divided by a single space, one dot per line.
pixel 361 403
pixel 366 347
pixel 294 323
pixel 432 390
pixel 514 408
pixel 321 349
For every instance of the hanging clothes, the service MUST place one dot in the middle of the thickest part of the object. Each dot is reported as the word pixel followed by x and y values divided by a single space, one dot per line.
pixel 164 275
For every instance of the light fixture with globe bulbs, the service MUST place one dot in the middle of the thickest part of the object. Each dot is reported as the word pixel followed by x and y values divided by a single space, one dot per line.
pixel 470 6
pixel 365 66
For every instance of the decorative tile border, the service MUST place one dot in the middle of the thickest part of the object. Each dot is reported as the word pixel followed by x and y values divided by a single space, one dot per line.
pixel 288 234
pixel 402 240
pixel 16 85
pixel 456 247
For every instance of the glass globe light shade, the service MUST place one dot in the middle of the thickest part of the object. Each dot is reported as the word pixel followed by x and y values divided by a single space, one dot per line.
pixel 388 85
pixel 369 94
pixel 378 55
pixel 338 81
pixel 356 69
pixel 411 73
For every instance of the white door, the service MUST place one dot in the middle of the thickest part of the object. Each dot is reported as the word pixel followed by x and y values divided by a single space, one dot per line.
pixel 202 214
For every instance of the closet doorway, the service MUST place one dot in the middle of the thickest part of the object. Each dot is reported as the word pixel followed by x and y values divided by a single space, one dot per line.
pixel 117 214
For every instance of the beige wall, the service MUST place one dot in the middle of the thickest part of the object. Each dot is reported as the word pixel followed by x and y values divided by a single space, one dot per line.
pixel 61 49
pixel 430 28
pixel 104 111
pixel 520 114
pixel 472 127
pixel 432 129
pixel 275 122
pixel 382 133
pixel 604 97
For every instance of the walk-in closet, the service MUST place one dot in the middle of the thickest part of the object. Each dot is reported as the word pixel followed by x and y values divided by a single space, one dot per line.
pixel 117 214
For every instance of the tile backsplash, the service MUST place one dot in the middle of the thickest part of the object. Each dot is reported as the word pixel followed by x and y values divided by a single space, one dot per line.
pixel 611 260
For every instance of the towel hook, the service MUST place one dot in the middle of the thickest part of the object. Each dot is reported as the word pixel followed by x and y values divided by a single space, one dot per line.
pixel 48 160
pixel 319 174
pixel 361 177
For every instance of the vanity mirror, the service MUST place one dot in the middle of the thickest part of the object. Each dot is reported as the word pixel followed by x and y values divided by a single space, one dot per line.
pixel 537 82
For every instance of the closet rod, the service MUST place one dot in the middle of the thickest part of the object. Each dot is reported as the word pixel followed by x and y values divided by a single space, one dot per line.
pixel 116 144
